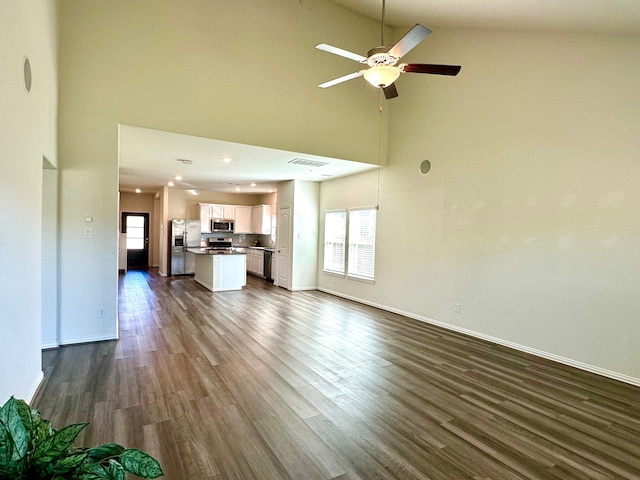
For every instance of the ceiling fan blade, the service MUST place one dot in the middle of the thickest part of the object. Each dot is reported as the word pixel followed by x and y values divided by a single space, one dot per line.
pixel 335 81
pixel 390 91
pixel 452 70
pixel 341 52
pixel 412 38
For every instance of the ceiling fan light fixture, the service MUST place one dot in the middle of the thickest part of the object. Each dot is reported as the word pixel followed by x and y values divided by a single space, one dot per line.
pixel 381 76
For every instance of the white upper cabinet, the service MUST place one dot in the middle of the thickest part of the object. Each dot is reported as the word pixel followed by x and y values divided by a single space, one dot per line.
pixel 205 218
pixel 261 219
pixel 243 219
pixel 210 211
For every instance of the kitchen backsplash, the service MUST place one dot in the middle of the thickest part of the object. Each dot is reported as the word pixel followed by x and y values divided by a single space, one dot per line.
pixel 242 239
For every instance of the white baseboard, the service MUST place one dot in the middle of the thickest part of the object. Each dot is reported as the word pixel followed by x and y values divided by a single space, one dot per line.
pixel 34 388
pixel 304 289
pixel 99 338
pixel 523 348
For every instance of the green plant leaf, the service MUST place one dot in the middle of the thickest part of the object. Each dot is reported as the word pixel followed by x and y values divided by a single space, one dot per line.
pixel 115 471
pixel 69 463
pixel 58 445
pixel 140 464
pixel 90 470
pixel 42 432
pixel 12 420
pixel 6 447
pixel 108 450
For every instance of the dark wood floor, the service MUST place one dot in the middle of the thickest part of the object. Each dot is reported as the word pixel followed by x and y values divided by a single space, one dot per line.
pixel 270 384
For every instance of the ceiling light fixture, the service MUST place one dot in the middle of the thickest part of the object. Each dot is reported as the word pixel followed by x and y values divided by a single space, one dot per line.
pixel 381 76
pixel 253 184
pixel 138 190
pixel 171 184
pixel 178 177
pixel 193 192
pixel 226 159
pixel 237 189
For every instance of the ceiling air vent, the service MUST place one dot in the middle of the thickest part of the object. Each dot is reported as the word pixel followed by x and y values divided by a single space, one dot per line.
pixel 308 163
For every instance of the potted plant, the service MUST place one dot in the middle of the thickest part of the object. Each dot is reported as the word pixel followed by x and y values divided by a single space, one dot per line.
pixel 31 449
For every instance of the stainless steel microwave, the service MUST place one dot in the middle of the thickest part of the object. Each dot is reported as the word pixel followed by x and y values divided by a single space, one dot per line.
pixel 221 225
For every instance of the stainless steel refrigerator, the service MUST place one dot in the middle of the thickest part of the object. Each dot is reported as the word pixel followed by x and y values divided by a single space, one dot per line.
pixel 185 233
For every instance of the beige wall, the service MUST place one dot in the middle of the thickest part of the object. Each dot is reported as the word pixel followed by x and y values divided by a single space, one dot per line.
pixel 529 216
pixel 189 67
pixel 27 135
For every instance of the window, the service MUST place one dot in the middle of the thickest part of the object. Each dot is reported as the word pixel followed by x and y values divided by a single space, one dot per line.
pixel 356 228
pixel 362 243
pixel 135 232
pixel 335 224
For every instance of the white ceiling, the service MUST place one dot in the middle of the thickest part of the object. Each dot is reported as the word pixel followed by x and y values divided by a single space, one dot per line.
pixel 149 158
pixel 619 16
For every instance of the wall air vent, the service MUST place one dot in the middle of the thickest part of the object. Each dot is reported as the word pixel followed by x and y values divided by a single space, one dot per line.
pixel 185 161
pixel 307 163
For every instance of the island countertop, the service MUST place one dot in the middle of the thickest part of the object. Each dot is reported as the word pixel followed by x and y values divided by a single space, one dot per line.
pixel 213 251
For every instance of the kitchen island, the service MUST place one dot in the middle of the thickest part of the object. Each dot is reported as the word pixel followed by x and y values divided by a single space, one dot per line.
pixel 220 271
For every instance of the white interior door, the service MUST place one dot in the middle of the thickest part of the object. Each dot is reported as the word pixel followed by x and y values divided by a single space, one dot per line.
pixel 283 250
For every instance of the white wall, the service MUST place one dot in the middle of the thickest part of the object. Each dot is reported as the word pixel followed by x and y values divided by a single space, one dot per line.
pixel 27 134
pixel 529 216
pixel 304 258
pixel 49 257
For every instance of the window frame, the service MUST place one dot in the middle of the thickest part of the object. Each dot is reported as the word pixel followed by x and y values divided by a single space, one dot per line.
pixel 347 253
pixel 330 271
pixel 350 243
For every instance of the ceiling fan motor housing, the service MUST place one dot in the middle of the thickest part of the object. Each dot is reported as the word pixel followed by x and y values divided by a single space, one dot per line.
pixel 380 56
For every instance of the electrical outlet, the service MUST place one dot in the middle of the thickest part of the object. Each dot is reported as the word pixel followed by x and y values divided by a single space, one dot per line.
pixel 457 307
pixel 88 233
pixel 100 313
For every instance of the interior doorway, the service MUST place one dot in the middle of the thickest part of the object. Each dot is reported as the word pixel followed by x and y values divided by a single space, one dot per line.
pixel 135 226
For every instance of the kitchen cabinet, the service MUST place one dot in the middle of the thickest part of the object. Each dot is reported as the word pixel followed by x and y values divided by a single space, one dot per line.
pixel 243 217
pixel 209 211
pixel 255 261
pixel 221 272
pixel 261 219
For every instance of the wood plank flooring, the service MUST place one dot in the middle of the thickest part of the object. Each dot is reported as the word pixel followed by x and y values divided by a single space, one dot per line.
pixel 270 384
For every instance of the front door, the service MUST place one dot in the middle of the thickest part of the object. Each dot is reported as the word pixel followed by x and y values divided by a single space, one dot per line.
pixel 136 228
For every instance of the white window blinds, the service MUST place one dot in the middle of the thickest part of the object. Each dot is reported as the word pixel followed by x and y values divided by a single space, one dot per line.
pixel 334 241
pixel 362 243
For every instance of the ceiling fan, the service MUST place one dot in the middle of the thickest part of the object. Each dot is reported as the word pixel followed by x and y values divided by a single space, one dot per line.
pixel 382 60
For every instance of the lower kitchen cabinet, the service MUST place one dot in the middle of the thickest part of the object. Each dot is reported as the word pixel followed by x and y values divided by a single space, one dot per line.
pixel 220 273
pixel 255 261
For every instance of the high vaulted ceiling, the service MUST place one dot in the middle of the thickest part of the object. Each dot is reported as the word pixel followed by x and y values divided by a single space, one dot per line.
pixel 606 16
pixel 149 158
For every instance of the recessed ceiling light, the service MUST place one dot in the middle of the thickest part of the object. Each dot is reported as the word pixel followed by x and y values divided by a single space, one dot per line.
pixel 178 177
pixel 171 184
pixel 193 192
pixel 138 190
pixel 226 159
pixel 253 184
pixel 237 189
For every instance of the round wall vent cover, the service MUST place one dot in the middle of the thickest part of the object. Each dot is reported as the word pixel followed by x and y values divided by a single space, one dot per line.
pixel 424 167
pixel 26 74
